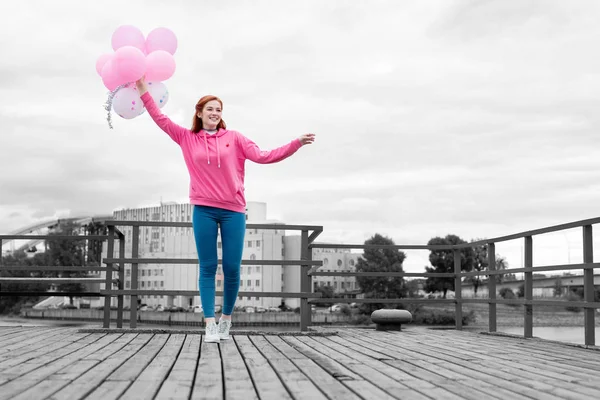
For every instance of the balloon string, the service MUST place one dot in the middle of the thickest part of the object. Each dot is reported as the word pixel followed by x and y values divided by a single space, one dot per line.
pixel 108 104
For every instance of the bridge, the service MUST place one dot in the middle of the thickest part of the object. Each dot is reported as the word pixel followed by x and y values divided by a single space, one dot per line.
pixel 106 360
pixel 39 228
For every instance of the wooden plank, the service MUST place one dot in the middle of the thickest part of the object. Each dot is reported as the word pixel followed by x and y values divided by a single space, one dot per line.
pixel 133 367
pixel 150 380
pixel 109 390
pixel 298 384
pixel 18 366
pixel 238 382
pixel 375 371
pixel 39 370
pixel 531 367
pixel 265 379
pixel 458 367
pixel 178 384
pixel 18 335
pixel 32 341
pixel 123 349
pixel 41 389
pixel 330 386
pixel 208 381
pixel 407 361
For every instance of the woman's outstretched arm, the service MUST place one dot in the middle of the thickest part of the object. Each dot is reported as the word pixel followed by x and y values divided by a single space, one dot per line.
pixel 254 153
pixel 175 131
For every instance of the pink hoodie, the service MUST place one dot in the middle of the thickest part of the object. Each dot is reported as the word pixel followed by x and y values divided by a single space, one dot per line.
pixel 216 162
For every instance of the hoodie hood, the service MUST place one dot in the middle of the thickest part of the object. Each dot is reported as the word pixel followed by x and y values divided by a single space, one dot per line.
pixel 215 136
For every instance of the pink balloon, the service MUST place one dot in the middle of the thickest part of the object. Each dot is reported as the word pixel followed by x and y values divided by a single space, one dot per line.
pixel 101 61
pixel 127 35
pixel 129 63
pixel 160 66
pixel 109 76
pixel 161 39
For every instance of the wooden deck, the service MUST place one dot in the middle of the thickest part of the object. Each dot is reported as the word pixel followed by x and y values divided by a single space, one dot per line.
pixel 417 363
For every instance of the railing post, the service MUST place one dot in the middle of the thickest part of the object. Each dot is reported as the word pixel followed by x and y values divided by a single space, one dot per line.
pixel 121 281
pixel 492 287
pixel 588 286
pixel 305 254
pixel 110 249
pixel 528 308
pixel 458 289
pixel 135 236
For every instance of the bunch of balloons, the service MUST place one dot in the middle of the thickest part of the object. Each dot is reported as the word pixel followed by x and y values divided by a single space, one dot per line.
pixel 134 57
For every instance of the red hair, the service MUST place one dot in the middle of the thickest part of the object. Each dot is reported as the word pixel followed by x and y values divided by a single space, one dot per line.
pixel 197 122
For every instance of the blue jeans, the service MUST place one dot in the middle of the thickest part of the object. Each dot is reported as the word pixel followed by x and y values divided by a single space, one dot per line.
pixel 205 221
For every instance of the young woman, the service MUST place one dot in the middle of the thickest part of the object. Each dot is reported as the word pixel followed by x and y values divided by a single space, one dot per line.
pixel 215 158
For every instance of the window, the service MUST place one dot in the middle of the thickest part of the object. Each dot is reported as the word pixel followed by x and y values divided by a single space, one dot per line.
pixel 128 272
pixel 249 243
pixel 248 298
pixel 219 284
pixel 256 298
pixel 258 243
pixel 162 272
pixel 325 261
pixel 143 272
pixel 241 283
pixel 143 283
pixel 219 245
pixel 342 285
pixel 248 282
pixel 351 263
pixel 155 283
pixel 252 257
pixel 127 284
pixel 257 283
pixel 162 284
pixel 335 285
pixel 258 268
pixel 240 297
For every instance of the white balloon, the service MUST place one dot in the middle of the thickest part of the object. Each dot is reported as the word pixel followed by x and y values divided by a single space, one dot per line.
pixel 127 103
pixel 159 93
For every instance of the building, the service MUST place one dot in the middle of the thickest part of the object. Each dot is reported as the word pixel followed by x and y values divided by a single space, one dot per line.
pixel 334 260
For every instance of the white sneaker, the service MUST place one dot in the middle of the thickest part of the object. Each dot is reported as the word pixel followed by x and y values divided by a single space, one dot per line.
pixel 211 333
pixel 224 326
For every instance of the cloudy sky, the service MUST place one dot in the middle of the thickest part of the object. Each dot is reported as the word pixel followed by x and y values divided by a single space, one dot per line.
pixel 477 118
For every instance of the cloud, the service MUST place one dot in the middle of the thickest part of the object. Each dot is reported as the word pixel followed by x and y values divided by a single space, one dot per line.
pixel 475 118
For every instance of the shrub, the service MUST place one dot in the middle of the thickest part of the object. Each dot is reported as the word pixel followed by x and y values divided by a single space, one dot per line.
pixel 573 296
pixel 345 310
pixel 441 317
pixel 506 293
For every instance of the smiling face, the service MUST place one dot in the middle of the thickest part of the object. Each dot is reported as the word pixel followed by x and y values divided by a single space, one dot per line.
pixel 211 115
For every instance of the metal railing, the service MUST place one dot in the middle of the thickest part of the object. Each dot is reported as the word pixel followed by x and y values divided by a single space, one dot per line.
pixel 56 268
pixel 307 272
pixel 588 266
pixel 308 235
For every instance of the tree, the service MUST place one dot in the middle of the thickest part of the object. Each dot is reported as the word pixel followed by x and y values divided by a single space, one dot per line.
pixel 558 288
pixel 67 253
pixel 381 260
pixel 326 293
pixel 18 259
pixel 442 261
pixel 480 263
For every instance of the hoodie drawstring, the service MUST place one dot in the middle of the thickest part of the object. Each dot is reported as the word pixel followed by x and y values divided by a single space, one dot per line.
pixel 206 147
pixel 218 150
pixel 218 153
